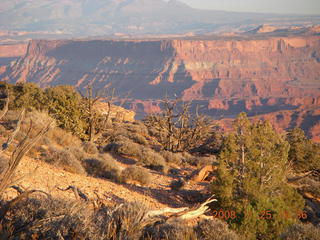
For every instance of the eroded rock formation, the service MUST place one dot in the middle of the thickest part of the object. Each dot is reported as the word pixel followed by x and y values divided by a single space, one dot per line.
pixel 264 75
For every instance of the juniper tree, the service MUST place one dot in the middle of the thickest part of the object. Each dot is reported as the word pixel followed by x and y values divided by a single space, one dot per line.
pixel 303 153
pixel 251 180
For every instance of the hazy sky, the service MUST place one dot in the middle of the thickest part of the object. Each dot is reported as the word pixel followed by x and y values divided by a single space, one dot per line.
pixel 272 6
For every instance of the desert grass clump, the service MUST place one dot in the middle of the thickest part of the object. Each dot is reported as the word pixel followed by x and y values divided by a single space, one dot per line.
pixel 90 148
pixel 63 159
pixel 104 166
pixel 301 231
pixel 136 173
pixel 215 230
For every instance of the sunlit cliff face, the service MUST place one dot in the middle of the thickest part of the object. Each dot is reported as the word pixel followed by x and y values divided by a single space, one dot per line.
pixel 225 77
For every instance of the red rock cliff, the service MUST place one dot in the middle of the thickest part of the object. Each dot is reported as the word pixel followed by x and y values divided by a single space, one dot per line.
pixel 226 77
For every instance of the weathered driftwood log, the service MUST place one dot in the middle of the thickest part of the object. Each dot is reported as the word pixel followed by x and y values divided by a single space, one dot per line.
pixel 184 214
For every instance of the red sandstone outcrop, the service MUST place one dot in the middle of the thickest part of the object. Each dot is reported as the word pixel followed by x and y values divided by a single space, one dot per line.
pixel 259 76
pixel 13 50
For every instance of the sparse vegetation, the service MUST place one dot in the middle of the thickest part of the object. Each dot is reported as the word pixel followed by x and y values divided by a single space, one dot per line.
pixel 301 232
pixel 90 148
pixel 253 163
pixel 136 174
pixel 176 129
pixel 64 159
pixel 215 230
pixel 104 166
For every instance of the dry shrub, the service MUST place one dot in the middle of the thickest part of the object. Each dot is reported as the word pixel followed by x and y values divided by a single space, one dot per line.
pixel 38 119
pixel 310 185
pixel 171 157
pixel 177 185
pixel 79 153
pixel 126 221
pixel 40 217
pixel 215 230
pixel 142 154
pixel 64 159
pixel 138 127
pixel 301 232
pixel 165 231
pixel 63 138
pixel 104 166
pixel 136 173
pixel 128 148
pixel 152 159
pixel 137 138
pixel 90 148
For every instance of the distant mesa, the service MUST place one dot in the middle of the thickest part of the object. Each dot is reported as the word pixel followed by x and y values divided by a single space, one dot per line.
pixel 274 74
pixel 263 29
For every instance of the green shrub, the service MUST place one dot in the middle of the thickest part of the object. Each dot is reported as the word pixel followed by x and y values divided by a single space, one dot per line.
pixel 251 178
pixel 136 173
pixel 63 159
pixel 303 153
pixel 64 104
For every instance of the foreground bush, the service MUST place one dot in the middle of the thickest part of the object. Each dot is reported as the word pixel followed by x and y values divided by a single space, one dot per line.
pixel 63 159
pixel 144 155
pixel 104 166
pixel 39 216
pixel 215 230
pixel 301 232
pixel 136 173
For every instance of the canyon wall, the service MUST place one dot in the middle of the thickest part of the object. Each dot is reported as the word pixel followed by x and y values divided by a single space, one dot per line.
pixel 9 53
pixel 262 76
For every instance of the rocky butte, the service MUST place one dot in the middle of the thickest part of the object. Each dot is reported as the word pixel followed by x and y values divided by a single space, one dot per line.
pixel 274 76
